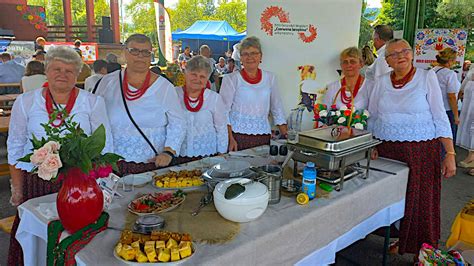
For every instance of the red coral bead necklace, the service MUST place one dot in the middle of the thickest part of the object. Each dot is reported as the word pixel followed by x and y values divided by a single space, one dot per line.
pixel 50 101
pixel 135 95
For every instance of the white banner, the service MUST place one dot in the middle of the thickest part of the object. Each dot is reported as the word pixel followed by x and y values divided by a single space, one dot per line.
pixel 428 42
pixel 301 43
pixel 164 30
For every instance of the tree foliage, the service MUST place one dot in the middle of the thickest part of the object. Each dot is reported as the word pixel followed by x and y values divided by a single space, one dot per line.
pixel 447 14
pixel 142 13
pixel 365 31
pixel 234 12
pixel 392 13
pixel 55 13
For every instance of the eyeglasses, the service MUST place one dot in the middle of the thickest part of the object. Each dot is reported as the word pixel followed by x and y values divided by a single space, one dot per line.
pixel 252 54
pixel 136 52
pixel 350 62
pixel 404 52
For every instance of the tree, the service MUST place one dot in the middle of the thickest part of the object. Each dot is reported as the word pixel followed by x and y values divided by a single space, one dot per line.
pixel 143 17
pixel 186 13
pixel 392 13
pixel 234 12
pixel 365 31
pixel 55 13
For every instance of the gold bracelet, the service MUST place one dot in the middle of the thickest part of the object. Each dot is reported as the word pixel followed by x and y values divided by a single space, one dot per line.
pixel 451 153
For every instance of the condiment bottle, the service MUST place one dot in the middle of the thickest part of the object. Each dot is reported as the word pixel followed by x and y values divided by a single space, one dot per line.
pixel 309 180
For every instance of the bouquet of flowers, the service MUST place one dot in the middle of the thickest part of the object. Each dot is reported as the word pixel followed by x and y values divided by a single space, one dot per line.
pixel 67 147
pixel 346 116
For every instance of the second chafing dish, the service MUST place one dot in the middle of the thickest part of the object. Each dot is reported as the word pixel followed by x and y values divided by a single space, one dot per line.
pixel 334 138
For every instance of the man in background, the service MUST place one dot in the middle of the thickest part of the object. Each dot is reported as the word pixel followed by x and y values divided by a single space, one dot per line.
pixel 10 72
pixel 381 35
pixel 100 69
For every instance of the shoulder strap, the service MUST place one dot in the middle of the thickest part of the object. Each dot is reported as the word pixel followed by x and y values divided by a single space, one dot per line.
pixel 131 118
pixel 439 69
pixel 96 85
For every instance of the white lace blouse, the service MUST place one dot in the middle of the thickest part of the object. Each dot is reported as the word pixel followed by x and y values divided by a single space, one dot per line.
pixel 412 113
pixel 250 105
pixel 206 130
pixel 333 88
pixel 29 112
pixel 157 113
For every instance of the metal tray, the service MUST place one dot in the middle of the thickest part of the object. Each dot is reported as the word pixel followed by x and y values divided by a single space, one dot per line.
pixel 334 138
pixel 332 160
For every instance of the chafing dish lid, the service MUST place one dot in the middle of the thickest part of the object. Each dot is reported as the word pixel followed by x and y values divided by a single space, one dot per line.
pixel 334 133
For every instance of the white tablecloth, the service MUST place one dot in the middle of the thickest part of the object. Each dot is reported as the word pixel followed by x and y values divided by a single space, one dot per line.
pixel 287 233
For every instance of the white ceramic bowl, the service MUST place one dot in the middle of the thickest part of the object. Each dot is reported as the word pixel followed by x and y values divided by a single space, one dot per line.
pixel 247 207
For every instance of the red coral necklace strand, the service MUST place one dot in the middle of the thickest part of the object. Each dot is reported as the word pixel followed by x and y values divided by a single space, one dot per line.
pixel 346 99
pixel 398 84
pixel 250 80
pixel 50 101
pixel 134 95
pixel 188 101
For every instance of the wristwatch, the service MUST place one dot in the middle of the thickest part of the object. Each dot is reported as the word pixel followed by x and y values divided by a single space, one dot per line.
pixel 173 157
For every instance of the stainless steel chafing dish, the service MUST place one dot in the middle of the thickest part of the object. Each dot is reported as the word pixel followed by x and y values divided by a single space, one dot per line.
pixel 333 148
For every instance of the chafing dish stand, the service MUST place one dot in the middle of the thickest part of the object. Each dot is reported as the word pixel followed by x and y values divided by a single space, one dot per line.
pixel 332 149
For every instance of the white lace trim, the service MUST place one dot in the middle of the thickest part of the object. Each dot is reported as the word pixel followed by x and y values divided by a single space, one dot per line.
pixel 248 124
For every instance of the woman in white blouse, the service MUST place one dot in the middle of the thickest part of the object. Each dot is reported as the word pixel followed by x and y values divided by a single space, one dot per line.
pixel 250 96
pixel 347 91
pixel 449 84
pixel 147 121
pixel 33 108
pixel 206 119
pixel 408 115
pixel 465 137
pixel 34 76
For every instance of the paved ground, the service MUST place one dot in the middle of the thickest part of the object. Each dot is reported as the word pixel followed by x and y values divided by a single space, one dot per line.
pixel 456 191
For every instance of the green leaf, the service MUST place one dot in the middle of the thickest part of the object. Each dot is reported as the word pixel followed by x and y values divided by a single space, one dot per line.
pixel 94 144
pixel 26 158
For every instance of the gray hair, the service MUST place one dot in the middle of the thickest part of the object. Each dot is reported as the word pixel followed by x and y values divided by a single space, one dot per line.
pixel 139 38
pixel 250 41
pixel 198 63
pixel 64 54
pixel 204 47
pixel 393 41
pixel 111 58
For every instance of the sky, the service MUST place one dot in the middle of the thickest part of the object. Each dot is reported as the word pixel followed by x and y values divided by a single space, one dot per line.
pixel 371 3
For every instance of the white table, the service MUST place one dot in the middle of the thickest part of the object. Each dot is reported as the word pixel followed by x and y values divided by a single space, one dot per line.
pixel 286 234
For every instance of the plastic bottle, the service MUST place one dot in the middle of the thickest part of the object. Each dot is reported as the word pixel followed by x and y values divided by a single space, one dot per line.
pixel 309 180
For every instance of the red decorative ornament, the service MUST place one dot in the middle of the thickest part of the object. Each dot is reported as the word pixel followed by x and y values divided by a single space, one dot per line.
pixel 270 12
pixel 398 84
pixel 188 101
pixel 312 36
pixel 80 200
pixel 135 95
pixel 250 80
pixel 49 105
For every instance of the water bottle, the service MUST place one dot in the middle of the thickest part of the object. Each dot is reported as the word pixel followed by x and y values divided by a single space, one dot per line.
pixel 309 180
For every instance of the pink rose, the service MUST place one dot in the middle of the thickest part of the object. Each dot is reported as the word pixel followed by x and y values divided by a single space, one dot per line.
pixel 104 171
pixel 52 163
pixel 52 146
pixel 44 174
pixel 39 155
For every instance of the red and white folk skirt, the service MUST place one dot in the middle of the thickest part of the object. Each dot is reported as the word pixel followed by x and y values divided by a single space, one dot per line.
pixel 421 223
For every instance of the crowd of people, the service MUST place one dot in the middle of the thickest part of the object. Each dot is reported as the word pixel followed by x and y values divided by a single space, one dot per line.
pixel 153 124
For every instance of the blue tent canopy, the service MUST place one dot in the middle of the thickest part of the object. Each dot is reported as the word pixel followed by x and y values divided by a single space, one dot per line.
pixel 209 30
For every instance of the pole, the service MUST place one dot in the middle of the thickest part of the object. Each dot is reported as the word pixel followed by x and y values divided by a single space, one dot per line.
pixel 90 20
pixel 410 21
pixel 67 19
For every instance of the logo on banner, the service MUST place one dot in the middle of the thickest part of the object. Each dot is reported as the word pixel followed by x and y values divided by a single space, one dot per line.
pixel 305 32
